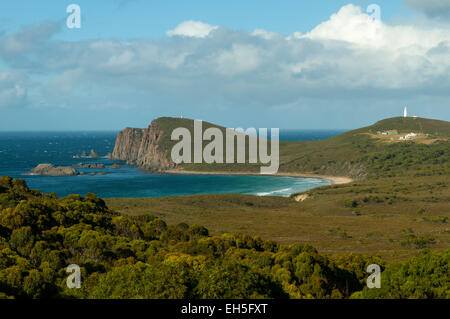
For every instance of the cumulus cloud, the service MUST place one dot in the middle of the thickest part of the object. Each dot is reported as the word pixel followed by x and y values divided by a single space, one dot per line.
pixel 433 8
pixel 349 57
pixel 196 29
pixel 352 25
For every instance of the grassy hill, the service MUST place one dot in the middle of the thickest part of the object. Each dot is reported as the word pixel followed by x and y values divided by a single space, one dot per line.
pixel 168 124
pixel 410 124
pixel 357 153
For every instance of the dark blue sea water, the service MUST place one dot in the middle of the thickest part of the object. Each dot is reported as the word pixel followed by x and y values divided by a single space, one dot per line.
pixel 21 151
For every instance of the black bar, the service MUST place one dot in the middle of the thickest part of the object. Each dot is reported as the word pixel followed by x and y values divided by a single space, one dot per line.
pixel 221 308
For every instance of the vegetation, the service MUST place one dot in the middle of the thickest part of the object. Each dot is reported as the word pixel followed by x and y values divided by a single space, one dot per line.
pixel 143 257
pixel 425 276
pixel 357 153
pixel 409 158
pixel 395 215
pixel 371 215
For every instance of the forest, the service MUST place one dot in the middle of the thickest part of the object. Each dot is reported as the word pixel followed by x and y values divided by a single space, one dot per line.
pixel 143 257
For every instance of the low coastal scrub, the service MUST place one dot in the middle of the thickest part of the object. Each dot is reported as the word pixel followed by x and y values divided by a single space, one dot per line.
pixel 402 159
pixel 143 257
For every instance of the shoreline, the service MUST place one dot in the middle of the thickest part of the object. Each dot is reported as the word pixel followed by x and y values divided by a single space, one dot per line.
pixel 334 180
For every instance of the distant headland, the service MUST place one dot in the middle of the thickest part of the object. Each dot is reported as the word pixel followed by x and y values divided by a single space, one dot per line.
pixel 341 155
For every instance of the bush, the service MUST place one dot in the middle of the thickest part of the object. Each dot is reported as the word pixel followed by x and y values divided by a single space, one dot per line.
pixel 142 257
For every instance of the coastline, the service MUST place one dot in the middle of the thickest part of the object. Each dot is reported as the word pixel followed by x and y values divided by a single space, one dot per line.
pixel 334 180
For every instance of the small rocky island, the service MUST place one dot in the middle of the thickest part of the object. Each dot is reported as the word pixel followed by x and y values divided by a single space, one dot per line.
pixel 90 165
pixel 92 154
pixel 51 170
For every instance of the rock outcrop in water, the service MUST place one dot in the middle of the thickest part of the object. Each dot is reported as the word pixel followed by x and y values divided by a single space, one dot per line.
pixel 50 170
pixel 94 154
pixel 90 165
pixel 142 147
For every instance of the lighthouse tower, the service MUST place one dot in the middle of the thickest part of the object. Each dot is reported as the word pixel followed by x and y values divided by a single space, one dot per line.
pixel 405 112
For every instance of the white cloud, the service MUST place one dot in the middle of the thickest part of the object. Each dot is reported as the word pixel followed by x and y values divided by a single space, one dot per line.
pixel 196 29
pixel 351 24
pixel 240 58
pixel 347 57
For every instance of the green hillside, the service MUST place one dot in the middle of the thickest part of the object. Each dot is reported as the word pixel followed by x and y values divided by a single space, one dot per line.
pixel 357 153
pixel 168 124
pixel 410 124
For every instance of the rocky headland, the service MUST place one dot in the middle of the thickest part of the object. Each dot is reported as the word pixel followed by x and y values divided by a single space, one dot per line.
pixel 350 154
pixel 142 147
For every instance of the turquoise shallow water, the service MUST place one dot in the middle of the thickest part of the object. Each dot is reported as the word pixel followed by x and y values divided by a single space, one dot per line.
pixel 19 152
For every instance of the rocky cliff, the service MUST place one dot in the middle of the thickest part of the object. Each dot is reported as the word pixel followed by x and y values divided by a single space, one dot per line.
pixel 143 148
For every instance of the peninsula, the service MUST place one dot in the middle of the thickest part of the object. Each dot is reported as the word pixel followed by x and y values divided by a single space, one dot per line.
pixel 346 154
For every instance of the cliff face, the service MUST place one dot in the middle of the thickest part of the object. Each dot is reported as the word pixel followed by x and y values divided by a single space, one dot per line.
pixel 142 148
pixel 127 144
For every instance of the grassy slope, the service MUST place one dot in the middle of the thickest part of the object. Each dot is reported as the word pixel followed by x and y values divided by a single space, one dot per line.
pixel 168 124
pixel 345 154
pixel 400 203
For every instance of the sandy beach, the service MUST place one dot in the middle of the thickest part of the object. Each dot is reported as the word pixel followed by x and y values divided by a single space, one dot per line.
pixel 335 180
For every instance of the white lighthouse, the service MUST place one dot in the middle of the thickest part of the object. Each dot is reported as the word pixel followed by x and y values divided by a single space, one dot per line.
pixel 405 112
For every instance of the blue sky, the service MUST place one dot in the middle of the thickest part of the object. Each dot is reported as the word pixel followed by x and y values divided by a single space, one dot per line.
pixel 287 64
pixel 140 18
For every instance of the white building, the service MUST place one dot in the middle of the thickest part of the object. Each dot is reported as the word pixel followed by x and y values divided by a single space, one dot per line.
pixel 411 135
pixel 405 112
pixel 408 136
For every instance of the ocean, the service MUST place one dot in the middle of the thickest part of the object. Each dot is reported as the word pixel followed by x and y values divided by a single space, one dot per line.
pixel 22 151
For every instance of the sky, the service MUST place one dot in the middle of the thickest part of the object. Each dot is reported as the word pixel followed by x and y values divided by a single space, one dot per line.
pixel 279 64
